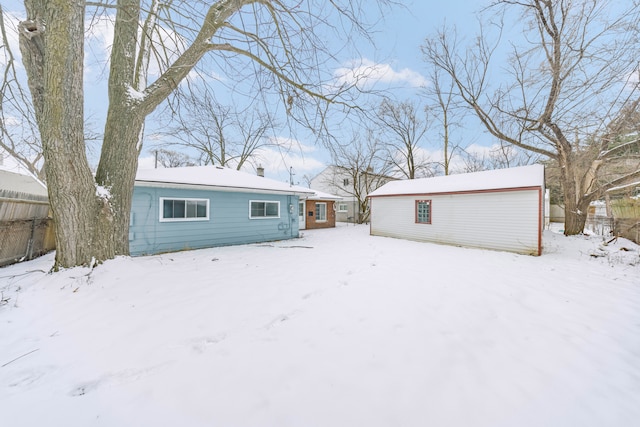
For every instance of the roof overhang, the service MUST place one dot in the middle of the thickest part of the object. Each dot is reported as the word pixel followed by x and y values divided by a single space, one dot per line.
pixel 228 189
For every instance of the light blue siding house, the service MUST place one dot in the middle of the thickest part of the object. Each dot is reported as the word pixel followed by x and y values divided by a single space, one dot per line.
pixel 177 209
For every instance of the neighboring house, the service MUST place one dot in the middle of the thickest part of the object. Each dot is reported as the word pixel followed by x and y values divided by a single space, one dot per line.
pixel 352 186
pixel 25 187
pixel 318 211
pixel 25 227
pixel 498 209
pixel 205 206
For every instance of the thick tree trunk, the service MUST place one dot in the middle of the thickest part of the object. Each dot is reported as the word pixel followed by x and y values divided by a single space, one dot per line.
pixel 574 219
pixel 77 210
pixel 117 169
pixel 124 126
pixel 575 214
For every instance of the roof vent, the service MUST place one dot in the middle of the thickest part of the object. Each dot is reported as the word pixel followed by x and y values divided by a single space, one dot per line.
pixel 260 171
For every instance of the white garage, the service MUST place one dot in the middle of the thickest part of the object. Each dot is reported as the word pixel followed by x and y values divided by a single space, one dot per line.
pixel 499 209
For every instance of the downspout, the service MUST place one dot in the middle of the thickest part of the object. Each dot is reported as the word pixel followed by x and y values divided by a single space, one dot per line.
pixel 292 218
pixel 540 218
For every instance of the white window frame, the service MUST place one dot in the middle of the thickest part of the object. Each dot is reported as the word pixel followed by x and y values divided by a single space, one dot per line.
pixel 263 217
pixel 317 211
pixel 341 205
pixel 185 219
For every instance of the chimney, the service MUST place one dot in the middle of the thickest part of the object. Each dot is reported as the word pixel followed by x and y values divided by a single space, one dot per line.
pixel 260 171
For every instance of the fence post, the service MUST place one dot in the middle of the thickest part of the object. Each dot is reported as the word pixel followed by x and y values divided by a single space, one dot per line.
pixel 29 254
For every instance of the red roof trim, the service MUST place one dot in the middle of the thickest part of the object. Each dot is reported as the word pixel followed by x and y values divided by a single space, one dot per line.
pixel 449 193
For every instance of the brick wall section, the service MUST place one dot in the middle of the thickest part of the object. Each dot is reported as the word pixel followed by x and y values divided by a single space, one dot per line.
pixel 310 214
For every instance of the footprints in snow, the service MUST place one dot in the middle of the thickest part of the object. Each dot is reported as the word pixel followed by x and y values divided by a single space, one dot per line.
pixel 200 345
pixel 117 378
pixel 282 318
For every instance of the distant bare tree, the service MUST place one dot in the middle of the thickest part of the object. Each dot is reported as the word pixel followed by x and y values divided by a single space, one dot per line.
pixel 564 86
pixel 220 134
pixel 172 159
pixel 360 167
pixel 499 156
pixel 306 180
pixel 403 127
pixel 445 112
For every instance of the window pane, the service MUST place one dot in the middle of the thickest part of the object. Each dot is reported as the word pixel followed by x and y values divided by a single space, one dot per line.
pixel 191 209
pixel 272 209
pixel 167 209
pixel 257 209
pixel 321 211
pixel 178 209
pixel 424 211
pixel 201 209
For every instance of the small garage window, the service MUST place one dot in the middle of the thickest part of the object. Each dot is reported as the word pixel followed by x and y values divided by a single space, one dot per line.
pixel 183 209
pixel 423 211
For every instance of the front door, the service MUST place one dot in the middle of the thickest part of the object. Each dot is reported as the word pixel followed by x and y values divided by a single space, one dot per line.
pixel 302 223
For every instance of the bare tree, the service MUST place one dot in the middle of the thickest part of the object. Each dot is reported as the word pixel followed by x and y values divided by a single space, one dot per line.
pixel 565 85
pixel 446 112
pixel 269 41
pixel 403 127
pixel 220 134
pixel 498 156
pixel 19 136
pixel 360 167
pixel 172 159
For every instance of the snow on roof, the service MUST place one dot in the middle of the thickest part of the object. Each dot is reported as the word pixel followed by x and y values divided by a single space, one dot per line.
pixel 624 187
pixel 321 195
pixel 524 176
pixel 215 176
pixel 26 184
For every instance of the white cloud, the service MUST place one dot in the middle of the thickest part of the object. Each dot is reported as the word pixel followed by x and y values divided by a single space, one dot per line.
pixel 11 121
pixel 365 73
pixel 633 79
pixel 290 144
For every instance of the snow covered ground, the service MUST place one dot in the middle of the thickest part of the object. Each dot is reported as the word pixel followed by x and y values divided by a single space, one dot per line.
pixel 335 329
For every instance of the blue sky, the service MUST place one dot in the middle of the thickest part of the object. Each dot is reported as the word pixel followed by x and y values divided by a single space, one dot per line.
pixel 395 56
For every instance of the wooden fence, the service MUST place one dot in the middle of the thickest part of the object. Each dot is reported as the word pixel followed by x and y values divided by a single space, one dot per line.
pixel 629 228
pixel 22 240
pixel 26 231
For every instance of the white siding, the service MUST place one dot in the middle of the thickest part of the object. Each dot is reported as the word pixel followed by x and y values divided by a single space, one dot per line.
pixel 504 220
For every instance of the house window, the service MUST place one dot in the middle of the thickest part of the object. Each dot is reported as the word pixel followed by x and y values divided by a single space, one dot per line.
pixel 345 182
pixel 263 209
pixel 423 211
pixel 342 207
pixel 183 209
pixel 321 212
